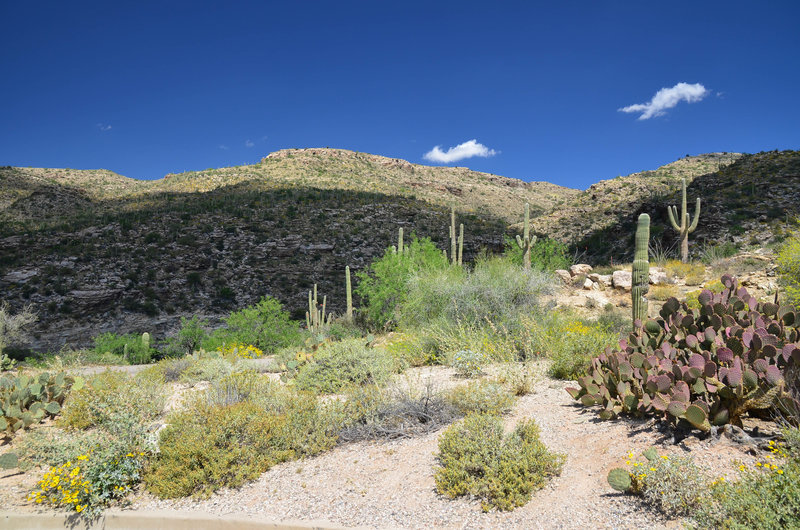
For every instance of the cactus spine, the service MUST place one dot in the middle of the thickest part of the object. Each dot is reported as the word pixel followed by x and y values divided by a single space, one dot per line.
pixel 526 241
pixel 350 293
pixel 641 270
pixel 684 228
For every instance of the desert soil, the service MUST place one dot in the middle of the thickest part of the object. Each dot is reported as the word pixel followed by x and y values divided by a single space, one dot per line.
pixel 389 484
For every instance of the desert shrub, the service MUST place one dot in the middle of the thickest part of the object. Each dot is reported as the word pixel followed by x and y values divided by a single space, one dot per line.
pixel 174 368
pixel 223 446
pixel 496 290
pixel 192 334
pixel 237 350
pixel 713 253
pixel 482 397
pixel 12 328
pixel 476 459
pixel 264 325
pixel 131 348
pixel 671 484
pixel 496 342
pixel 206 368
pixel 676 269
pixel 90 482
pixel 112 400
pixel 413 349
pixel 569 342
pixel 663 292
pixel 340 364
pixel 469 363
pixel 546 254
pixel 519 378
pixel 789 268
pixel 382 287
pixel 374 413
pixel 232 389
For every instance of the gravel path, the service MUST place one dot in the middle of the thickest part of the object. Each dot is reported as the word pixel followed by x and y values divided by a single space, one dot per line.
pixel 390 484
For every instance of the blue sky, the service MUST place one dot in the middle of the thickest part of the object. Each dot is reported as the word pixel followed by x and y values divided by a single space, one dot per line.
pixel 147 88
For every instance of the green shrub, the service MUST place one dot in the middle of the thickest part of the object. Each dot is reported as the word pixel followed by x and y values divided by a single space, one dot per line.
pixel 130 348
pixel 468 363
pixel 476 459
pixel 519 378
pixel 264 325
pixel 481 397
pixel 789 267
pixel 546 254
pixel 192 334
pixel 202 451
pixel 382 287
pixel 345 363
pixel 569 342
pixel 413 349
pixel 496 290
pixel 112 400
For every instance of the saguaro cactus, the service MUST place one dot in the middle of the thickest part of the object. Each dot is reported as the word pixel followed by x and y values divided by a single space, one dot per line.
pixel 460 244
pixel 526 241
pixel 453 241
pixel 684 228
pixel 349 289
pixel 641 270
pixel 315 318
pixel 400 240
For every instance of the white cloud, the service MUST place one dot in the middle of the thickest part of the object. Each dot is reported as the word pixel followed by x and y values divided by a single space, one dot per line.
pixel 223 147
pixel 459 152
pixel 249 143
pixel 666 98
pixel 104 126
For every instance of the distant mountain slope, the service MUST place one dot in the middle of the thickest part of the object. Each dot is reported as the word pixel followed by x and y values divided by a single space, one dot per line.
pixel 95 251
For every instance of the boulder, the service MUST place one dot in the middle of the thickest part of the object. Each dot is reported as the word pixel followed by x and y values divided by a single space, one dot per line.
pixel 588 284
pixel 658 277
pixel 602 279
pixel 622 280
pixel 564 275
pixel 580 268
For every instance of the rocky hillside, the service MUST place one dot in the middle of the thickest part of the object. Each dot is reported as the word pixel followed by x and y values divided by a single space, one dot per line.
pixel 95 251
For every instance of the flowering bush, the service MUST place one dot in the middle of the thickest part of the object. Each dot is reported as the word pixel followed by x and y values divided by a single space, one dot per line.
pixel 241 351
pixel 469 363
pixel 87 484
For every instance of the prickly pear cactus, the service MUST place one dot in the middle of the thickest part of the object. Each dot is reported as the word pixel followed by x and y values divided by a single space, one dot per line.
pixel 703 367
pixel 25 400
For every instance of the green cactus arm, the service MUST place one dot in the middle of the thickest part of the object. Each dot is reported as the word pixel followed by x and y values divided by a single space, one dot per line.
pixel 520 242
pixel 672 212
pixel 696 216
pixel 526 230
pixel 400 240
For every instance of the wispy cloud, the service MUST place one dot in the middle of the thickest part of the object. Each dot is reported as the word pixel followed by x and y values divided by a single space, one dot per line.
pixel 666 98
pixel 223 147
pixel 104 126
pixel 460 152
pixel 249 143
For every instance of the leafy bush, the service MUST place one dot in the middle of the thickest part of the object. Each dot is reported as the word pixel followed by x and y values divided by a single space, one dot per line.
pixel 546 254
pixel 663 292
pixel 468 363
pixel 481 397
pixel 569 342
pixel 132 348
pixel 712 253
pixel 519 378
pixel 12 328
pixel 476 459
pixel 413 349
pixel 89 483
pixel 212 444
pixel 677 269
pixel 112 400
pixel 496 290
pixel 789 267
pixel 382 287
pixel 345 363
pixel 189 338
pixel 223 446
pixel 264 325
pixel 703 367
pixel 672 484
